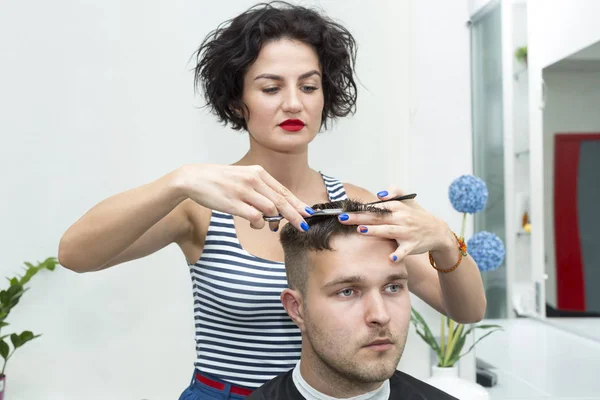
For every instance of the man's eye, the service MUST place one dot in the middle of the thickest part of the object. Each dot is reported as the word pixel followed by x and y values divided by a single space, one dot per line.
pixel 346 293
pixel 395 288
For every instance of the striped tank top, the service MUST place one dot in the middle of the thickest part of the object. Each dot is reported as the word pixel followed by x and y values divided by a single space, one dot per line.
pixel 243 334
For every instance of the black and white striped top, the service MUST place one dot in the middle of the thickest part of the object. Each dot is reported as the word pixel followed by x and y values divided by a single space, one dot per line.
pixel 243 334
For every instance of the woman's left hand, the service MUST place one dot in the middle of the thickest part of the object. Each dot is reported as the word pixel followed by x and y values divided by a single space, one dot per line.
pixel 415 230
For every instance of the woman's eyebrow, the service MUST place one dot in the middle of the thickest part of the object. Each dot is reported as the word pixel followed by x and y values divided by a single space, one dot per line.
pixel 279 78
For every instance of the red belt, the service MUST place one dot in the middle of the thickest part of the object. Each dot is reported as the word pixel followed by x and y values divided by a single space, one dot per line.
pixel 221 386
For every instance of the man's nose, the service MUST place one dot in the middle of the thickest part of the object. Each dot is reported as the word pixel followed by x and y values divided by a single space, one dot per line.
pixel 292 102
pixel 376 312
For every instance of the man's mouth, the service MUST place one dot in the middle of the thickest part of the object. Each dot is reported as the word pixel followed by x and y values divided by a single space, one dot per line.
pixel 292 125
pixel 380 345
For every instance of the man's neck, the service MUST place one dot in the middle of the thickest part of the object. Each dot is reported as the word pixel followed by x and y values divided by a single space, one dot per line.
pixel 310 393
pixel 330 382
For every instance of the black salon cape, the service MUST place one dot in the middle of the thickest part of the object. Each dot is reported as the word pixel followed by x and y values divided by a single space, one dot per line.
pixel 402 387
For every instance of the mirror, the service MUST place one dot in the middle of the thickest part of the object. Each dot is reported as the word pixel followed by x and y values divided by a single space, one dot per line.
pixel 572 188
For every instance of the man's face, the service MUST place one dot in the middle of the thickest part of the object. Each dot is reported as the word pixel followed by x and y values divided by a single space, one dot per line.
pixel 356 308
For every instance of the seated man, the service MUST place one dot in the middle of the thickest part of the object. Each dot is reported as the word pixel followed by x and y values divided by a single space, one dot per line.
pixel 352 306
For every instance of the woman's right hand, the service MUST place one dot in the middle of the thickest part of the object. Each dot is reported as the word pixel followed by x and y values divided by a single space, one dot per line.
pixel 246 191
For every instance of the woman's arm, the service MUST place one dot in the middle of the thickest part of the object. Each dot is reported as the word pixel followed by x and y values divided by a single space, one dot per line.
pixel 143 220
pixel 458 294
pixel 126 226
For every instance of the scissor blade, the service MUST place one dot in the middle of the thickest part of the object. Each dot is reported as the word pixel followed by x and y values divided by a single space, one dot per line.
pixel 329 211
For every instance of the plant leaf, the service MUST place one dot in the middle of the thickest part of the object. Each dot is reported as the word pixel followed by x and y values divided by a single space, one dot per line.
pixel 419 321
pixel 473 327
pixel 24 337
pixel 16 340
pixel 456 336
pixel 4 349
pixel 478 340
pixel 423 324
pixel 431 344
pixel 31 270
pixel 455 356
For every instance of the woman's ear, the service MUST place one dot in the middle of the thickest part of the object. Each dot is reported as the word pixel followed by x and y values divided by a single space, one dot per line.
pixel 293 303
pixel 240 110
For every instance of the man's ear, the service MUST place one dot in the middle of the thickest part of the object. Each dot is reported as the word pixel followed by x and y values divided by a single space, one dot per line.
pixel 293 303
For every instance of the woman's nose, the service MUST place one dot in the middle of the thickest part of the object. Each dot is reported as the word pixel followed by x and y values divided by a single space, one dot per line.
pixel 292 102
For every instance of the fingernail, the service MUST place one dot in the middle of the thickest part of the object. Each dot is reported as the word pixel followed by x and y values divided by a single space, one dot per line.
pixel 343 217
pixel 275 229
pixel 304 226
pixel 383 193
pixel 310 210
pixel 363 229
pixel 395 258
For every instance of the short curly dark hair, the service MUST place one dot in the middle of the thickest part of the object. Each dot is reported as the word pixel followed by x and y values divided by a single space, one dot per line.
pixel 226 54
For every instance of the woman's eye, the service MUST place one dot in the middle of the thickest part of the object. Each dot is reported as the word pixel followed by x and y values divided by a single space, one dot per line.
pixel 309 89
pixel 270 90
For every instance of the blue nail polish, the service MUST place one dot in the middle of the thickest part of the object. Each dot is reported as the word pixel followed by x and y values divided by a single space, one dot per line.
pixel 276 229
pixel 304 226
pixel 383 193
pixel 395 258
pixel 343 217
pixel 310 210
pixel 363 229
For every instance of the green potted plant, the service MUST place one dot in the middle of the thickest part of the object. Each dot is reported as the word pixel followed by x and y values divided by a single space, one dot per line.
pixel 468 195
pixel 521 54
pixel 9 298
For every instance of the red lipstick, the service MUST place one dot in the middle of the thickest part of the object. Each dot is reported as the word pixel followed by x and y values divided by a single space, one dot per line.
pixel 292 125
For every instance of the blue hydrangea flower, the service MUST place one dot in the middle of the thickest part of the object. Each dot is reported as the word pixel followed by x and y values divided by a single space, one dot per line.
pixel 487 250
pixel 468 194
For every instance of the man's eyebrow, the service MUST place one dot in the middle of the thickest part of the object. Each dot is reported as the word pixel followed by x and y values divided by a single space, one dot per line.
pixel 345 280
pixel 398 276
pixel 279 78
pixel 354 279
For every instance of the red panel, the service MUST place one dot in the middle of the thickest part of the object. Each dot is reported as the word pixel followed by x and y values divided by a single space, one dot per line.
pixel 569 266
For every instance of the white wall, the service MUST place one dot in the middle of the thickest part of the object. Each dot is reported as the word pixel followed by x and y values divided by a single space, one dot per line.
pixel 440 139
pixel 571 107
pixel 474 6
pixel 562 27
pixel 97 100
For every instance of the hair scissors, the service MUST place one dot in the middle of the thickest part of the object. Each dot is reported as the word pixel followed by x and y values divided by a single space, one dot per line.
pixel 338 211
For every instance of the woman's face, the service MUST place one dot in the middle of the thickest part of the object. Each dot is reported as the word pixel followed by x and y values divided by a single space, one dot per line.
pixel 284 96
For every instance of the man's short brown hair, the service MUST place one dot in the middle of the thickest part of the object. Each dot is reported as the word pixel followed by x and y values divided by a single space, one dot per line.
pixel 297 245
